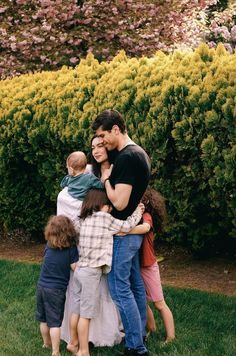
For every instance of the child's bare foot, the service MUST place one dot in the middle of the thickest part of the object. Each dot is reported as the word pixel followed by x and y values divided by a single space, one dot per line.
pixel 169 339
pixel 56 354
pixel 72 348
pixel 46 346
pixel 80 353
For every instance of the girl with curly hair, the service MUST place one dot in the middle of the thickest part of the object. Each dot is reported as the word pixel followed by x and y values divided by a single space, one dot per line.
pixel 154 219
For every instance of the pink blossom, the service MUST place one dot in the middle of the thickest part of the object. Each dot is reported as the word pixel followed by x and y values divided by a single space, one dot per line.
pixel 228 47
pixel 3 9
pixel 233 33
pixel 74 60
pixel 46 27
pixel 38 39
pixel 13 47
pixel 105 50
pixel 211 44
pixel 225 32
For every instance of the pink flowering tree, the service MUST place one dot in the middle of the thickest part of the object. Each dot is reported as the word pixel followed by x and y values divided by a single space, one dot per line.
pixel 222 26
pixel 46 34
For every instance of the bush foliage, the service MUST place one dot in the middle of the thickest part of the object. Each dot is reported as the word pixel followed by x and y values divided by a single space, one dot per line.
pixel 181 108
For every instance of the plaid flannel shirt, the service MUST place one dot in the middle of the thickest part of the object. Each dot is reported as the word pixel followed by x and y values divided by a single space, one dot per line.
pixel 96 237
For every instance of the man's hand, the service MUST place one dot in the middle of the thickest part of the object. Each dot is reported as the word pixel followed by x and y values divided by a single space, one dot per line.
pixel 106 173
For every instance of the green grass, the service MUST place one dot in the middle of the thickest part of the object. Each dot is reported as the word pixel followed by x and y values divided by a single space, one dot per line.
pixel 205 323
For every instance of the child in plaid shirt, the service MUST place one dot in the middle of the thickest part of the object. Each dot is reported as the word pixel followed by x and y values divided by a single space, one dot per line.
pixel 96 227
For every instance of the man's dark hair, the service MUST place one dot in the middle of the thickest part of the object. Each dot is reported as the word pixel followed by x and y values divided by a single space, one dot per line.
pixel 107 119
pixel 93 201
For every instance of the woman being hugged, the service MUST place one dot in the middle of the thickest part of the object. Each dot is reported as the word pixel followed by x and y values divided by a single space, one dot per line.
pixel 105 329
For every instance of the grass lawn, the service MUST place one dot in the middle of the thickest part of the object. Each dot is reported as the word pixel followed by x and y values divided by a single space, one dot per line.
pixel 205 323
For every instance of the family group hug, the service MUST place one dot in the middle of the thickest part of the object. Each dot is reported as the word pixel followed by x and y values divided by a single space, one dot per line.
pixel 99 267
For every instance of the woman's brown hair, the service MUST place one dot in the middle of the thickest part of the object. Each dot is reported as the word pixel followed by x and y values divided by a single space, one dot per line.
pixel 155 205
pixel 60 232
pixel 94 201
pixel 96 166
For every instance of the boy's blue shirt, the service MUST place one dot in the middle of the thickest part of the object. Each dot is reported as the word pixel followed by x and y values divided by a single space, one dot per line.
pixel 55 271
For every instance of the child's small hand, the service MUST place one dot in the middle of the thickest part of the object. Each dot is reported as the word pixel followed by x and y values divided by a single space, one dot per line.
pixel 121 234
pixel 141 207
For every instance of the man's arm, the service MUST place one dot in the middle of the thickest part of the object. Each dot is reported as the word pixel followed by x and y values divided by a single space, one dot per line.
pixel 119 195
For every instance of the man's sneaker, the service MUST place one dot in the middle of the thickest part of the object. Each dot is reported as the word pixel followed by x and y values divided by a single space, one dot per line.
pixel 132 352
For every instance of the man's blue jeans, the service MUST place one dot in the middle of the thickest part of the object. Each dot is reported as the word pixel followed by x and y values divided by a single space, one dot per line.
pixel 127 289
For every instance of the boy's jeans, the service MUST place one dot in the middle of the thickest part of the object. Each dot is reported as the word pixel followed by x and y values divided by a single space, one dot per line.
pixel 127 289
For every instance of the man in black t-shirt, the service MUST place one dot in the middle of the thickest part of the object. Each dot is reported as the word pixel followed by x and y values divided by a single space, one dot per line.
pixel 125 185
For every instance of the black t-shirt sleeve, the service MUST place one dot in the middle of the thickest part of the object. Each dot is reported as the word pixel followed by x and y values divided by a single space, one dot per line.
pixel 124 171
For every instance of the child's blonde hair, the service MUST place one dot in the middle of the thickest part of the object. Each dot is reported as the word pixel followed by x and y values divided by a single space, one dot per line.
pixel 60 232
pixel 77 161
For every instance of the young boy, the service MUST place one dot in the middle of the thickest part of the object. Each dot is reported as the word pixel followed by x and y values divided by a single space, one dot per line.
pixel 60 256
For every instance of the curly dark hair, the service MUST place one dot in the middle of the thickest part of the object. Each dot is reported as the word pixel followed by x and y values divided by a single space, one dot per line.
pixel 60 232
pixel 155 205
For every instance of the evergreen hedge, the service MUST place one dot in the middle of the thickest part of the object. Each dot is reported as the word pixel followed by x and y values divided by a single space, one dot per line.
pixel 181 108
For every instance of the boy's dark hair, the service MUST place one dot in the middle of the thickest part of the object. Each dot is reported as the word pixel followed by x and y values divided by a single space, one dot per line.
pixel 155 205
pixel 60 232
pixel 107 119
pixel 96 166
pixel 94 201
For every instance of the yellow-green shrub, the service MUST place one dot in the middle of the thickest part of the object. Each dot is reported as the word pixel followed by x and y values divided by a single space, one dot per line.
pixel 180 108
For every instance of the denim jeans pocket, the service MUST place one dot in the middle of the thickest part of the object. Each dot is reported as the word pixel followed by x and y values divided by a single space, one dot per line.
pixel 135 242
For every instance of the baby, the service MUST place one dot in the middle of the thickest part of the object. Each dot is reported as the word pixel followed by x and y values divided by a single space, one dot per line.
pixel 75 185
